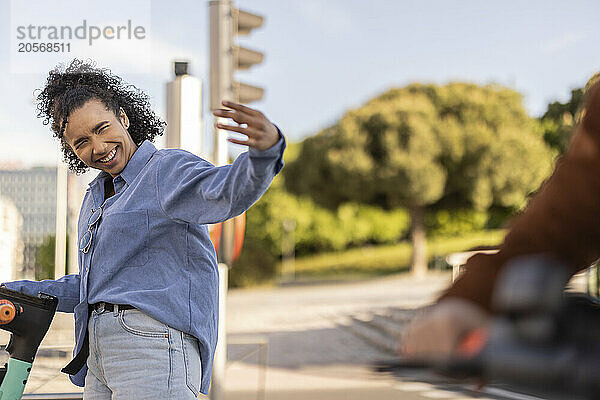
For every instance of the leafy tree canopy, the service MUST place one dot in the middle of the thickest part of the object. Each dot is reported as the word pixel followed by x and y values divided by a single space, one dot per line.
pixel 453 145
pixel 559 120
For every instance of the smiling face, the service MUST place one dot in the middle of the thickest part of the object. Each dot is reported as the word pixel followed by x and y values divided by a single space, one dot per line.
pixel 99 138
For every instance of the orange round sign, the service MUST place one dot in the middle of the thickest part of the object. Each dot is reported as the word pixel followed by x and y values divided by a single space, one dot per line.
pixel 238 235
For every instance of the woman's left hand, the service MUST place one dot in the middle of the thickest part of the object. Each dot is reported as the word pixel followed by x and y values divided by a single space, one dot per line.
pixel 261 132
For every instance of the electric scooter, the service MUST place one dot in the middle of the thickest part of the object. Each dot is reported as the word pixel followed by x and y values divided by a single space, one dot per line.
pixel 542 339
pixel 28 319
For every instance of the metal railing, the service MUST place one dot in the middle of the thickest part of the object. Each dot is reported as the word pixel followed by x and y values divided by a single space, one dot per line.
pixel 458 260
pixel 588 280
pixel 53 396
pixel 262 349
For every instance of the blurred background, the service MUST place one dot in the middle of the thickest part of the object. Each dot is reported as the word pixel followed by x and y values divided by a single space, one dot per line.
pixel 415 130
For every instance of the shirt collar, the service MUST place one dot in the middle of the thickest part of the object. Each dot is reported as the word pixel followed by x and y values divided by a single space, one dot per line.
pixel 139 159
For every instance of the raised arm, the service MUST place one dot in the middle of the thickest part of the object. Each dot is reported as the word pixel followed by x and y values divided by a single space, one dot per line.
pixel 193 190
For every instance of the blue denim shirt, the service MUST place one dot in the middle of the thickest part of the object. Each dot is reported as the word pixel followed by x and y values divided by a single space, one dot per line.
pixel 151 248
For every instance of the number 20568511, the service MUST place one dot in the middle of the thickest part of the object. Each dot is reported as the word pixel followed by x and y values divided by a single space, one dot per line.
pixel 44 47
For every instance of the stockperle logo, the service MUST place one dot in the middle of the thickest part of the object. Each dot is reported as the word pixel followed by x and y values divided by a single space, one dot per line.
pixel 86 32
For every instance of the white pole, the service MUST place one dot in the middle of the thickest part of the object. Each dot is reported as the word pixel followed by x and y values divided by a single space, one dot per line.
pixel 74 199
pixel 217 387
pixel 60 251
pixel 184 114
pixel 221 88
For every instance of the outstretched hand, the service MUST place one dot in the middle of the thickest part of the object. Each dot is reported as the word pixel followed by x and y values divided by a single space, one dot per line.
pixel 437 332
pixel 261 133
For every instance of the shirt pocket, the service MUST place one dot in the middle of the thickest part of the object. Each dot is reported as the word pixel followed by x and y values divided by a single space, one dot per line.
pixel 124 240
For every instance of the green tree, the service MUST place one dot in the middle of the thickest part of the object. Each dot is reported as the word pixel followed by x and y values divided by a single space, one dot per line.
pixel 458 145
pixel 559 120
pixel 317 229
pixel 44 258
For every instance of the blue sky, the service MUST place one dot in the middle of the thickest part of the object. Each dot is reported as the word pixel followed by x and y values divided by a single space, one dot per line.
pixel 323 57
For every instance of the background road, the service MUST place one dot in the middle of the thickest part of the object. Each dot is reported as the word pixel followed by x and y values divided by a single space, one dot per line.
pixel 299 342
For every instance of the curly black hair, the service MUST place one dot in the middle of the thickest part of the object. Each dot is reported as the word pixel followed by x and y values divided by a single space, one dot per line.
pixel 67 89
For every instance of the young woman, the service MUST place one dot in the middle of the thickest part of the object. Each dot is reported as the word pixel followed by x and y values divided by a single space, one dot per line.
pixel 145 299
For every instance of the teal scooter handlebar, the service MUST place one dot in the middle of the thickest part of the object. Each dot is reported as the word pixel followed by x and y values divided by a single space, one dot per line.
pixel 28 319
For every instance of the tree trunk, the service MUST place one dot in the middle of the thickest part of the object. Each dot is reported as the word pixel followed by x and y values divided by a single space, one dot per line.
pixel 419 242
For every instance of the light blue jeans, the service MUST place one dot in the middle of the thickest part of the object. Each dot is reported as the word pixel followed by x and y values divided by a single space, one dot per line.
pixel 134 357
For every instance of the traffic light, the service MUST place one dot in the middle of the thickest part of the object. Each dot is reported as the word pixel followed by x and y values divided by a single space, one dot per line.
pixel 227 22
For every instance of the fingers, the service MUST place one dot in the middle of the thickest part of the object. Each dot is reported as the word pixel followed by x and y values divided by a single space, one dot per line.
pixel 248 131
pixel 242 108
pixel 250 142
pixel 240 114
pixel 261 132
pixel 245 130
pixel 238 117
pixel 423 340
pixel 437 333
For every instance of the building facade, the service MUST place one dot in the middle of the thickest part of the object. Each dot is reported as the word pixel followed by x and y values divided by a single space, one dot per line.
pixel 11 242
pixel 33 193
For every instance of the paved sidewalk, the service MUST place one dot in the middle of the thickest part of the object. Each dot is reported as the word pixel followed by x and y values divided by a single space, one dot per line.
pixel 309 352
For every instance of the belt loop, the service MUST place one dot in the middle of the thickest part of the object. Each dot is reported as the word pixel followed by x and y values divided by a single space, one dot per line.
pixel 116 310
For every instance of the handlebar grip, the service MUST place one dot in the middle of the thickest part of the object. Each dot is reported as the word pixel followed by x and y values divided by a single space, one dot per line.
pixel 8 311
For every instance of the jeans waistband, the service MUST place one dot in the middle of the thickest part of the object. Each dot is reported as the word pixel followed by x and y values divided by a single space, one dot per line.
pixel 104 306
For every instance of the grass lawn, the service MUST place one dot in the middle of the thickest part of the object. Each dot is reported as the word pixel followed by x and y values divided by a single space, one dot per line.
pixel 381 260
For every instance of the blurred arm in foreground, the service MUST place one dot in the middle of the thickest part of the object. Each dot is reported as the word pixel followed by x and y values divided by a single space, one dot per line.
pixel 561 220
